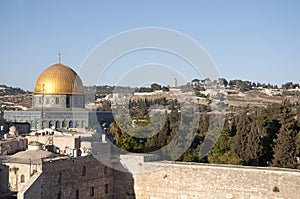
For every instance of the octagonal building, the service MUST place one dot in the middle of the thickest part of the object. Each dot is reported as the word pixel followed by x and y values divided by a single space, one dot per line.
pixel 58 87
pixel 58 102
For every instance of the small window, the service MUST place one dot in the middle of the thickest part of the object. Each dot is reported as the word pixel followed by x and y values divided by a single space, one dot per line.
pixel 59 195
pixel 22 178
pixel 83 171
pixel 92 191
pixel 59 177
pixel 106 188
pixel 105 170
pixel 40 100
pixel 77 194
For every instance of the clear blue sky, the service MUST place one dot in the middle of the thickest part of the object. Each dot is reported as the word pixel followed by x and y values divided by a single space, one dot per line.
pixel 250 40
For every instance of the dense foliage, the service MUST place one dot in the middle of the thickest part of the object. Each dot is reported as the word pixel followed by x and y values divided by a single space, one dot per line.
pixel 265 137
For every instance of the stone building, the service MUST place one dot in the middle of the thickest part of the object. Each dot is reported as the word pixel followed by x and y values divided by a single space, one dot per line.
pixel 58 101
pixel 23 165
pixel 12 145
pixel 40 174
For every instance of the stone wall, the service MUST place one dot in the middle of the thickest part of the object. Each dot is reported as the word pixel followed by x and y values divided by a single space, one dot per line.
pixel 32 188
pixel 186 181
pixel 84 175
pixel 72 178
pixel 11 146
pixel 3 178
pixel 20 173
pixel 123 185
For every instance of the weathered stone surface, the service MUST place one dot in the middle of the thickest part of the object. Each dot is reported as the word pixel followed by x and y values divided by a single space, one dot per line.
pixel 185 181
pixel 65 178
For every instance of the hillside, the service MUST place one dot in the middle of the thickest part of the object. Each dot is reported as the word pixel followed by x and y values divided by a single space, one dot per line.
pixel 14 98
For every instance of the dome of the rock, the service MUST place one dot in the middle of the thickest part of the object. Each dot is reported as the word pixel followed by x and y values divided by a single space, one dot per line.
pixel 58 79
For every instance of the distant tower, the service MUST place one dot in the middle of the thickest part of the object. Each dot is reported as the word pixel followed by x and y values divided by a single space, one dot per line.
pixel 175 83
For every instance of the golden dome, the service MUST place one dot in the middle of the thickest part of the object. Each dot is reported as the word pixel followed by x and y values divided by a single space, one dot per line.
pixel 58 79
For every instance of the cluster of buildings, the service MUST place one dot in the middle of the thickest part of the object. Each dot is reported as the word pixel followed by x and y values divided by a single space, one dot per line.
pixel 45 150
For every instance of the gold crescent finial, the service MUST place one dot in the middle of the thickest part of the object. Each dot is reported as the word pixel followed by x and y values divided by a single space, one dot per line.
pixel 59 58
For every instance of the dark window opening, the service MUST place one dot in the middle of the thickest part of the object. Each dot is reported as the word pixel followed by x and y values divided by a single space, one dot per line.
pixel 105 170
pixel 59 177
pixel 106 188
pixel 68 101
pixel 83 171
pixel 22 178
pixel 71 124
pixel 59 195
pixel 92 191
pixel 77 194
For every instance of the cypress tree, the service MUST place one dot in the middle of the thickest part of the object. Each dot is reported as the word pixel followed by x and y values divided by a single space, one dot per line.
pixel 241 138
pixel 285 147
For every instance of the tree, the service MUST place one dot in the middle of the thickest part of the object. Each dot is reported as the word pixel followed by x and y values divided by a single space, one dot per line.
pixel 285 147
pixel 287 85
pixel 222 153
pixel 155 87
pixel 165 89
pixel 105 106
pixel 254 148
pixel 223 81
pixel 195 82
pixel 241 138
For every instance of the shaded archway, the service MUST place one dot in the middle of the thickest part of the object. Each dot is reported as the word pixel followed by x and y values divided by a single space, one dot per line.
pixel 64 124
pixel 71 124
pixel 82 124
pixel 76 124
pixel 57 124
pixel 44 123
pixel 51 124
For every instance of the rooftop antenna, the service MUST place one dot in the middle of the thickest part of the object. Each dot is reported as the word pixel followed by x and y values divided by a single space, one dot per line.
pixel 59 58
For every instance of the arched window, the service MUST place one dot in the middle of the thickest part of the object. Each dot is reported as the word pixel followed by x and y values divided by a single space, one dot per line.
pixel 50 124
pixel 82 124
pixel 83 171
pixel 76 124
pixel 59 177
pixel 22 178
pixel 44 123
pixel 64 124
pixel 71 124
pixel 57 124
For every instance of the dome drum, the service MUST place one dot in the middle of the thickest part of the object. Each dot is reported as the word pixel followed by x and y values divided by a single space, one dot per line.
pixel 58 101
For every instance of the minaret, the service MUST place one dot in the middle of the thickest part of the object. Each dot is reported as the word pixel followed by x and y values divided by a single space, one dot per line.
pixel 175 83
